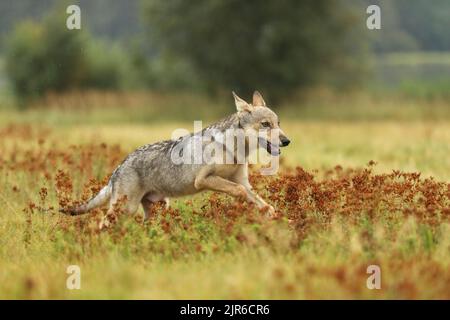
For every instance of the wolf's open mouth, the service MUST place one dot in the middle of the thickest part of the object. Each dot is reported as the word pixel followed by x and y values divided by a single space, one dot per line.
pixel 271 149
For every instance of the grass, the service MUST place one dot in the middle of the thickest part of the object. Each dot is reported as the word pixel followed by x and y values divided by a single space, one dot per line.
pixel 422 75
pixel 418 58
pixel 346 214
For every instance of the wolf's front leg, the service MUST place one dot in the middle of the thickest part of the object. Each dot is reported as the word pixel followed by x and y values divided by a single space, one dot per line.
pixel 258 200
pixel 217 183
pixel 242 178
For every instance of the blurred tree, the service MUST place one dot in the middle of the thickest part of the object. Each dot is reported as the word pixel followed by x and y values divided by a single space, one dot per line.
pixel 407 24
pixel 274 46
pixel 391 37
pixel 428 21
pixel 42 57
pixel 112 20
pixel 410 25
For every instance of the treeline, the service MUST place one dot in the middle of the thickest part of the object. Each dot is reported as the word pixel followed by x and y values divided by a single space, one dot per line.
pixel 410 25
pixel 116 20
pixel 275 46
pixel 407 24
pixel 43 57
pixel 209 46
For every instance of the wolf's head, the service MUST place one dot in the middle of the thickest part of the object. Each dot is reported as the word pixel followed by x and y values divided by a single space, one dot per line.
pixel 257 119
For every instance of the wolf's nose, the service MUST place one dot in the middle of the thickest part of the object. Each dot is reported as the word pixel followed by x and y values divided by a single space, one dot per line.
pixel 285 141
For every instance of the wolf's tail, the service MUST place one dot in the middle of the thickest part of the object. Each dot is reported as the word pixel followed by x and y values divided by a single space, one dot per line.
pixel 98 200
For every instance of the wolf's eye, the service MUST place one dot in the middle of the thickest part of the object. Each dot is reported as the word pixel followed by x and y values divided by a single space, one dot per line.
pixel 265 124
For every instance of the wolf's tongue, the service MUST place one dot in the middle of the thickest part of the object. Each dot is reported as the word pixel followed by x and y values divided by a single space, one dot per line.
pixel 274 151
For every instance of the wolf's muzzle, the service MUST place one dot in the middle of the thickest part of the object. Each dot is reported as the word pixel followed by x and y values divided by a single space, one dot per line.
pixel 284 141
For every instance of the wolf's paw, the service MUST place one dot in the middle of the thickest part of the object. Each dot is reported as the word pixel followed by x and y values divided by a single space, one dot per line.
pixel 240 193
pixel 269 211
pixel 104 223
pixel 67 211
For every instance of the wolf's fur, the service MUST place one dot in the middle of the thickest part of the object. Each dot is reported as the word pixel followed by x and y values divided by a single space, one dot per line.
pixel 148 174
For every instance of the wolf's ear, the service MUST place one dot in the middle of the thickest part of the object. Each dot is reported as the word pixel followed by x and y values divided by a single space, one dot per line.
pixel 258 99
pixel 241 105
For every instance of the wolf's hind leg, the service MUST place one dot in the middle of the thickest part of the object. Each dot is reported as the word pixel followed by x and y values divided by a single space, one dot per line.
pixel 131 205
pixel 167 202
pixel 104 222
pixel 146 205
pixel 148 200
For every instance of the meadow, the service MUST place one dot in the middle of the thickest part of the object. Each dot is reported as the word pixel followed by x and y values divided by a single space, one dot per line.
pixel 364 182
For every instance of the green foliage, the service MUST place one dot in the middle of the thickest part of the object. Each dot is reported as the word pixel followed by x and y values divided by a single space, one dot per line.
pixel 409 25
pixel 406 24
pixel 43 57
pixel 275 46
pixel 419 75
pixel 115 20
pixel 105 66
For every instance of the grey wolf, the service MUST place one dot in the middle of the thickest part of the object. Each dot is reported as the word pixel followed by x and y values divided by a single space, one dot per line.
pixel 148 174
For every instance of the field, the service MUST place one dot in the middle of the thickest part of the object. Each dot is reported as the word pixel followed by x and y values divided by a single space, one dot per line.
pixel 358 187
